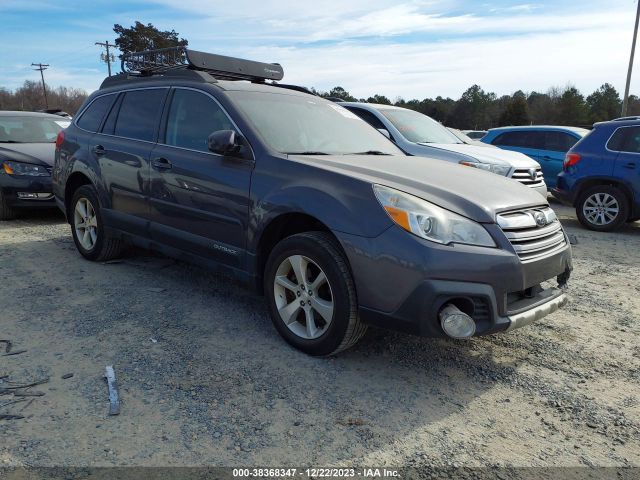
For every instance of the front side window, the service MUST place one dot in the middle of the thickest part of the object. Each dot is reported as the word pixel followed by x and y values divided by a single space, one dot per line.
pixel 30 129
pixel 625 139
pixel 193 116
pixel 418 128
pixel 95 112
pixel 305 124
pixel 139 114
pixel 368 117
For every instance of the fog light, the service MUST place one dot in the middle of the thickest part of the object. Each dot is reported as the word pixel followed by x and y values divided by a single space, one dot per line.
pixel 34 195
pixel 27 195
pixel 456 323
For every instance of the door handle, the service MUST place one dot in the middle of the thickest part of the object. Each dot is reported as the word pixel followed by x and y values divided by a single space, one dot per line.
pixel 98 150
pixel 630 165
pixel 547 157
pixel 161 163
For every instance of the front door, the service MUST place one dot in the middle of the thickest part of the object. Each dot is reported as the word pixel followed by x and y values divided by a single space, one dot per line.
pixel 199 200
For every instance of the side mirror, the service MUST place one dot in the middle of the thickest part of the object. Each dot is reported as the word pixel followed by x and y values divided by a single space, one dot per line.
pixel 225 142
pixel 385 132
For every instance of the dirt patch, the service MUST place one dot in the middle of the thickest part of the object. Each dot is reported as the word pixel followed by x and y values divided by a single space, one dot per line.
pixel 205 379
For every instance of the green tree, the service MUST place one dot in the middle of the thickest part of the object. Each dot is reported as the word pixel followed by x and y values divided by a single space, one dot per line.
pixel 572 109
pixel 146 37
pixel 379 99
pixel 473 109
pixel 516 111
pixel 604 104
pixel 339 92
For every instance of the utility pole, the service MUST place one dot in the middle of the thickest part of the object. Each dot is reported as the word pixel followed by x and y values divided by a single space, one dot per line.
pixel 625 101
pixel 41 68
pixel 108 57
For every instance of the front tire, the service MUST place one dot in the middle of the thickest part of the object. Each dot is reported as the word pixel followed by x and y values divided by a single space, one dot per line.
pixel 311 294
pixel 6 212
pixel 87 227
pixel 602 208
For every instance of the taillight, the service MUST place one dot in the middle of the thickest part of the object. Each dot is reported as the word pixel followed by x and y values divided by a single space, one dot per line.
pixel 59 139
pixel 570 160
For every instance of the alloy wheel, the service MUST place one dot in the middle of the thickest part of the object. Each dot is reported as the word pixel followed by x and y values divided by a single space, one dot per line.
pixel 303 297
pixel 601 209
pixel 85 223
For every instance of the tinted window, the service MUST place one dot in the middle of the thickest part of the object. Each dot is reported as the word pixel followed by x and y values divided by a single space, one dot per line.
pixel 625 140
pixel 368 117
pixel 192 117
pixel 559 141
pixel 110 122
pixel 93 115
pixel 139 113
pixel 522 139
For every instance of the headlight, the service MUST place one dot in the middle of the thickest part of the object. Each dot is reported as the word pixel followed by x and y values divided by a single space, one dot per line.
pixel 489 167
pixel 429 221
pixel 19 168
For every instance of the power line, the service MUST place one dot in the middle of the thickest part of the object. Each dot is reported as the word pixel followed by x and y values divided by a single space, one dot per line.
pixel 41 68
pixel 108 57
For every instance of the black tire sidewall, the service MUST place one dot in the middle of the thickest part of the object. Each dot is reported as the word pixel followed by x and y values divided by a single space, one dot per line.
pixel 88 192
pixel 620 197
pixel 316 251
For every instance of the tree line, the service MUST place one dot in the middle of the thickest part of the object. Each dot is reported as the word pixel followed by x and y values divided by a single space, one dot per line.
pixel 479 110
pixel 30 97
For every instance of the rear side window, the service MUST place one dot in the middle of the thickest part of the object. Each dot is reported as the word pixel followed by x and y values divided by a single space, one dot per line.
pixel 139 114
pixel 368 117
pixel 511 139
pixel 560 141
pixel 95 112
pixel 625 139
pixel 193 116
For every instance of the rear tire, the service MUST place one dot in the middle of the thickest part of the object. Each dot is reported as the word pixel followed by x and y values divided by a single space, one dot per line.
pixel 87 227
pixel 6 212
pixel 602 208
pixel 317 313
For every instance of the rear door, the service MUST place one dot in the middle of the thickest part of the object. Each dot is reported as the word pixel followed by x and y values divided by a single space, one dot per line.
pixel 626 140
pixel 555 146
pixel 199 200
pixel 122 149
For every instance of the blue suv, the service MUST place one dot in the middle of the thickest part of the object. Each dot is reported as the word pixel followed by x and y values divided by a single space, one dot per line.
pixel 601 175
pixel 546 144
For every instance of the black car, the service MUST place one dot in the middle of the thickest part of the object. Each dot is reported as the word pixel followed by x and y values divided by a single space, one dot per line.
pixel 306 203
pixel 27 147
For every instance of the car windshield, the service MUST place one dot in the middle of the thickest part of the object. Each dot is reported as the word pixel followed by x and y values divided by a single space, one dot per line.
pixel 30 129
pixel 418 128
pixel 295 124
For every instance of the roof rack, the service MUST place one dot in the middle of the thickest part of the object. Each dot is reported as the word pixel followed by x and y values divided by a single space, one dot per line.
pixel 622 119
pixel 165 60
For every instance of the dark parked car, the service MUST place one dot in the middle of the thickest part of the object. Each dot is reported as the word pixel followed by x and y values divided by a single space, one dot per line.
pixel 306 203
pixel 26 157
pixel 545 144
pixel 601 175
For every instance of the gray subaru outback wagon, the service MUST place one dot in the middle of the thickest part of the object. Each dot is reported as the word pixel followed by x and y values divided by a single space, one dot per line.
pixel 211 160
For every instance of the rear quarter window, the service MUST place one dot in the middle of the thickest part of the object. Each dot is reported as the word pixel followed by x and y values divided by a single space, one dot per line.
pixel 92 116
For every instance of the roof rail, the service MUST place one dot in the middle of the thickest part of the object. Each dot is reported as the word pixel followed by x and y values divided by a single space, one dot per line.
pixel 165 60
pixel 622 119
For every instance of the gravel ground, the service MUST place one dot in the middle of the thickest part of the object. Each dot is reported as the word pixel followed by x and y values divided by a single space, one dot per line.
pixel 206 380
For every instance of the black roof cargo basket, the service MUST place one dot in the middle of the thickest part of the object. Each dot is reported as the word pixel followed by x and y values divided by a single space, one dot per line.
pixel 164 60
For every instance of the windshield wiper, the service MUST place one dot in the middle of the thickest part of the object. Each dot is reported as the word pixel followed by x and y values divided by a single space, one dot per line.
pixel 309 152
pixel 369 152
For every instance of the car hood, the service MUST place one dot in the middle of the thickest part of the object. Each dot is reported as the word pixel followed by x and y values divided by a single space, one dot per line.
pixel 470 192
pixel 38 153
pixel 489 155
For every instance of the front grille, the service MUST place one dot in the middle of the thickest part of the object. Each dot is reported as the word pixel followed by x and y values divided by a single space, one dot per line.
pixel 534 233
pixel 532 177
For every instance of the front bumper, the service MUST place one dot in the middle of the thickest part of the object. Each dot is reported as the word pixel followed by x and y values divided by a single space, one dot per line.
pixel 542 190
pixel 26 191
pixel 403 282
